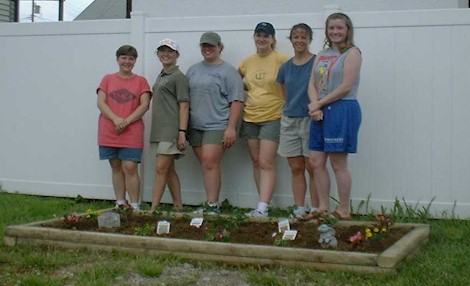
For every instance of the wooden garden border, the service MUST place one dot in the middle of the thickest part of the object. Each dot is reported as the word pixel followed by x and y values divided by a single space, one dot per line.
pixel 387 261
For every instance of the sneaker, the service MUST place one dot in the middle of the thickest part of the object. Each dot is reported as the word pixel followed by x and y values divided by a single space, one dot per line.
pixel 209 209
pixel 298 213
pixel 257 213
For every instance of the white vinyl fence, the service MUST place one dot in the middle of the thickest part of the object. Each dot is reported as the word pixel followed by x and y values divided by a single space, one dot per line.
pixel 414 94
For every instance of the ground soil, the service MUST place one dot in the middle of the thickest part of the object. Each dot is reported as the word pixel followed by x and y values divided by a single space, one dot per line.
pixel 245 232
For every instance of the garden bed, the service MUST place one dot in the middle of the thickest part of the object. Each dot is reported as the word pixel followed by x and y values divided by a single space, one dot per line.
pixel 231 241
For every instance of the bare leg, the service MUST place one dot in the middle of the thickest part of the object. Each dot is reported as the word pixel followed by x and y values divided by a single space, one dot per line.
pixel 162 167
pixel 132 179
pixel 267 173
pixel 322 178
pixel 253 148
pixel 339 163
pixel 299 187
pixel 119 183
pixel 210 156
pixel 175 187
pixel 311 185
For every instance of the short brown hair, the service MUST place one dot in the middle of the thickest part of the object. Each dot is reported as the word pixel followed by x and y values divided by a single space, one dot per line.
pixel 126 50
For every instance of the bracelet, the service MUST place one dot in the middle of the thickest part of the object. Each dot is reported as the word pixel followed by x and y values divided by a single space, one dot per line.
pixel 182 130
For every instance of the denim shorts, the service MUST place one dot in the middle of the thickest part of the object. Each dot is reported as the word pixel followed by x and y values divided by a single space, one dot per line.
pixel 127 154
pixel 268 130
pixel 338 130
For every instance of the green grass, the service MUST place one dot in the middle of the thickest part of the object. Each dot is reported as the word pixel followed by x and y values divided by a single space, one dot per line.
pixel 442 261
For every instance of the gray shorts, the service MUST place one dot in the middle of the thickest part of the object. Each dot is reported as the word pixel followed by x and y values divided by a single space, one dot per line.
pixel 294 137
pixel 166 148
pixel 201 137
pixel 268 130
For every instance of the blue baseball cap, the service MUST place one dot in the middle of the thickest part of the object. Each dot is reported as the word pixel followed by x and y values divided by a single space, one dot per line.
pixel 265 27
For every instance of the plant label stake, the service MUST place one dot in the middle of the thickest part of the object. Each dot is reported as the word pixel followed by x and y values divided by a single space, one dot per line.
pixel 283 225
pixel 289 235
pixel 197 222
pixel 163 227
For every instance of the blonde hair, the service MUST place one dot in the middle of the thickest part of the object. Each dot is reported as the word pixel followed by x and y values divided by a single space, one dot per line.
pixel 349 42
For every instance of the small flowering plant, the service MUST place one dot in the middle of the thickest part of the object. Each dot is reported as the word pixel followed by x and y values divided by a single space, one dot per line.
pixel 278 241
pixel 71 219
pixel 93 215
pixel 377 231
pixel 214 235
pixel 380 228
pixel 357 238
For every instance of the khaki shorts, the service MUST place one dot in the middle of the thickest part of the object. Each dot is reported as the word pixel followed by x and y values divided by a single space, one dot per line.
pixel 166 148
pixel 294 137
pixel 268 130
pixel 201 137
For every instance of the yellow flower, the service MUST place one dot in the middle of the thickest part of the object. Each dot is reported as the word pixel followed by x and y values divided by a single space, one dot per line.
pixel 368 234
pixel 367 230
pixel 384 229
pixel 376 229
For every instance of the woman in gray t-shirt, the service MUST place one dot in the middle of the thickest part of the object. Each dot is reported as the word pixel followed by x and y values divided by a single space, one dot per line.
pixel 216 101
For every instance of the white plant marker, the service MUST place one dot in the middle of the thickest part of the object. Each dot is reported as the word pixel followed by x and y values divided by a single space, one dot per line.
pixel 289 235
pixel 163 227
pixel 197 222
pixel 283 225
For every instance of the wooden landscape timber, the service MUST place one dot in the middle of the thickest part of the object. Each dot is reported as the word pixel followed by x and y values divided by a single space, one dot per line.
pixel 387 261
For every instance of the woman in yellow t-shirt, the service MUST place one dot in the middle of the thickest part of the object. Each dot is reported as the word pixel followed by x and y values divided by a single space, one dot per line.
pixel 262 112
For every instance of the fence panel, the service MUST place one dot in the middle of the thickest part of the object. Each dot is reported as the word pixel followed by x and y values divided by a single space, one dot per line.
pixel 414 96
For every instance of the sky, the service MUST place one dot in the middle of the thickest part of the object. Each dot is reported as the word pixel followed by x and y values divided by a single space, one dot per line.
pixel 49 11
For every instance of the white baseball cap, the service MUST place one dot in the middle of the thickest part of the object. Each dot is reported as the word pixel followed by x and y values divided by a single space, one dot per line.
pixel 172 44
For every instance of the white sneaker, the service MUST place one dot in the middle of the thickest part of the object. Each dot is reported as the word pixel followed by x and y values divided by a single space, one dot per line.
pixel 257 213
pixel 298 213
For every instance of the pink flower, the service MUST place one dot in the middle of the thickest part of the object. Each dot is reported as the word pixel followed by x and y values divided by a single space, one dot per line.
pixel 358 237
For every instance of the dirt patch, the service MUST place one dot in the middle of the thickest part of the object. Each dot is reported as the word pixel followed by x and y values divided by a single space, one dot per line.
pixel 236 230
pixel 183 274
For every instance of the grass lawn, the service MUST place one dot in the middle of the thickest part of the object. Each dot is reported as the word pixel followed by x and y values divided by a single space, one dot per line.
pixel 442 261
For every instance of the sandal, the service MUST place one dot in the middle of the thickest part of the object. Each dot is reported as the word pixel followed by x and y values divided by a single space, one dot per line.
pixel 121 207
pixel 313 215
pixel 338 216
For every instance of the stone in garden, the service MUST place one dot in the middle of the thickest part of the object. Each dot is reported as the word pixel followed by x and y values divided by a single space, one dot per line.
pixel 109 220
